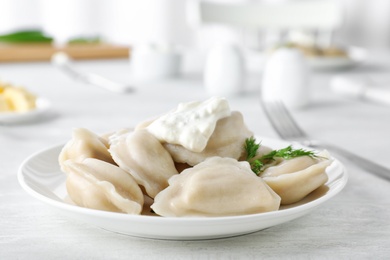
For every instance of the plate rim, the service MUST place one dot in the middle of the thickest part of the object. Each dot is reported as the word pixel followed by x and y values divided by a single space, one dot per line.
pixel 355 56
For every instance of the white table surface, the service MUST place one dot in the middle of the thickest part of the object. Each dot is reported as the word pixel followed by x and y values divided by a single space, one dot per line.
pixel 353 225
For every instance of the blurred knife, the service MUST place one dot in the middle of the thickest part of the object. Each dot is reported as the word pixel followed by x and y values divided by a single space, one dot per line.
pixel 64 62
pixel 361 88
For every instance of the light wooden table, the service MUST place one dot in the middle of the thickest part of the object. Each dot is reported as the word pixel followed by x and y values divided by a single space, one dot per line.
pixel 27 52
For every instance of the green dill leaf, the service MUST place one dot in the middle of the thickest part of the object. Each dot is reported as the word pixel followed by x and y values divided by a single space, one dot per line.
pixel 289 153
pixel 257 166
pixel 251 147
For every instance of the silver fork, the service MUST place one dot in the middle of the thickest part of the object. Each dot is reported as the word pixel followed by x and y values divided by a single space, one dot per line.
pixel 288 129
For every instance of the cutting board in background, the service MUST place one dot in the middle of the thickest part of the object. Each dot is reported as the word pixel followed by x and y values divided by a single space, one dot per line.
pixel 43 51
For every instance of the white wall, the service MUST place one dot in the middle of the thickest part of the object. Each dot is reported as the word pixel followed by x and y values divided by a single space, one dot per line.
pixel 367 22
pixel 17 14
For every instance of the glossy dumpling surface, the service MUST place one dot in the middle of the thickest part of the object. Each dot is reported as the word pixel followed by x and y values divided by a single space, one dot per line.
pixel 216 187
pixel 85 144
pixel 144 157
pixel 227 140
pixel 294 179
pixel 99 185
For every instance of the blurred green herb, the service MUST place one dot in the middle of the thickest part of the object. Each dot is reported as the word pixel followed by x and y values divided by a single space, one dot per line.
pixel 28 36
pixel 37 36
pixel 85 40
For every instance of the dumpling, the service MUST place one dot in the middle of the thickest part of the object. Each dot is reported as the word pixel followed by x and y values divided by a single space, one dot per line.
pixel 96 184
pixel 294 179
pixel 227 140
pixel 119 136
pixel 144 157
pixel 216 187
pixel 85 144
pixel 144 124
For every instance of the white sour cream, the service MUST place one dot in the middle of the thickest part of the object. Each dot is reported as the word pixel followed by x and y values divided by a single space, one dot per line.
pixel 190 124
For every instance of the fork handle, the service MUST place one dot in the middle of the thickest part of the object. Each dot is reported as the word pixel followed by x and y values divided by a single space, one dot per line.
pixel 365 164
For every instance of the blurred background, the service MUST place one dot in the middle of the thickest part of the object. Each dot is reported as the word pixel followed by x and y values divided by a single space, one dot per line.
pixel 364 23
pixel 220 39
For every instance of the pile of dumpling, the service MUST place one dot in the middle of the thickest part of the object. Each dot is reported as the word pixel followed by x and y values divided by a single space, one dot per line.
pixel 186 163
pixel 16 99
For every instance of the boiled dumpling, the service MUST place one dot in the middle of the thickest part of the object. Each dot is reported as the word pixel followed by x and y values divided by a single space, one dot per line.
pixel 216 187
pixel 119 136
pixel 85 144
pixel 294 179
pixel 227 140
pixel 144 124
pixel 144 157
pixel 96 184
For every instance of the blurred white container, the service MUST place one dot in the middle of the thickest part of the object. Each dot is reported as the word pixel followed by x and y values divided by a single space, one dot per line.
pixel 67 19
pixel 151 62
pixel 224 71
pixel 136 22
pixel 286 77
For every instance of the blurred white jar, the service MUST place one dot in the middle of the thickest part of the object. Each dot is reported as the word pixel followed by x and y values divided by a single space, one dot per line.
pixel 224 71
pixel 67 19
pixel 286 77
pixel 154 61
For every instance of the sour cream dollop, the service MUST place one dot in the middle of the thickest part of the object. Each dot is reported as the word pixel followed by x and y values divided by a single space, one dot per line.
pixel 190 124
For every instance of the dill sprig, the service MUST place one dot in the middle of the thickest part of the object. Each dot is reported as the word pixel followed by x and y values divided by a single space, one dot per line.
pixel 258 165
pixel 288 153
pixel 251 147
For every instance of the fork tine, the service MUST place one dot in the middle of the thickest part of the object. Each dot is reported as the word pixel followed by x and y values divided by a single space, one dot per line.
pixel 282 120
pixel 275 124
pixel 294 129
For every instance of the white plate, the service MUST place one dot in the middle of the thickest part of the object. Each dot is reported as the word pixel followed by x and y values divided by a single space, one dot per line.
pixel 355 56
pixel 42 106
pixel 41 177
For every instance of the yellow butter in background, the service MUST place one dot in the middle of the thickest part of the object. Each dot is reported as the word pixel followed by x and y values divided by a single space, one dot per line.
pixel 16 99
